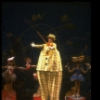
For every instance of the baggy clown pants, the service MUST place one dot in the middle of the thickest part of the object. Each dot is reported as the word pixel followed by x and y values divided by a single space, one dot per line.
pixel 50 84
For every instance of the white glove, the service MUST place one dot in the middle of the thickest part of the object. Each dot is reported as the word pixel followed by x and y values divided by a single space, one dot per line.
pixel 51 47
pixel 33 44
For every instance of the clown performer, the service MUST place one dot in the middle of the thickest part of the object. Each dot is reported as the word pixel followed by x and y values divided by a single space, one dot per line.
pixel 49 69
pixel 77 77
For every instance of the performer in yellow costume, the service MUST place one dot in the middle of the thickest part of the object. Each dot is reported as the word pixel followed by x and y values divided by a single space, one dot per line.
pixel 49 69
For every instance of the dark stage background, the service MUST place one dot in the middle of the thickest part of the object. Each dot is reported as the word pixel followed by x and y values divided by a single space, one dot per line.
pixel 69 21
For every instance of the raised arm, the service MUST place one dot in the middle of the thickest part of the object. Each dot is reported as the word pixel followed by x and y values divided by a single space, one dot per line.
pixel 28 65
pixel 70 70
pixel 37 46
pixel 88 67
pixel 84 71
pixel 33 65
pixel 21 68
pixel 4 67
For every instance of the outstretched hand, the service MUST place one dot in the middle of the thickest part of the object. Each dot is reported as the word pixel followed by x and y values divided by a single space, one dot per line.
pixel 33 44
pixel 88 65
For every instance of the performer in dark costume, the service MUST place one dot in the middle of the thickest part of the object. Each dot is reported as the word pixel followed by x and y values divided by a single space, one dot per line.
pixel 35 77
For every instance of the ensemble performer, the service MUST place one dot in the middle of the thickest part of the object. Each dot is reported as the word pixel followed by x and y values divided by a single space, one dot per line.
pixel 77 70
pixel 8 75
pixel 28 63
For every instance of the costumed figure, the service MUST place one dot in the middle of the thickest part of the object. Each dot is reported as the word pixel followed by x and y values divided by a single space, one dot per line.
pixel 77 77
pixel 8 75
pixel 49 69
pixel 28 66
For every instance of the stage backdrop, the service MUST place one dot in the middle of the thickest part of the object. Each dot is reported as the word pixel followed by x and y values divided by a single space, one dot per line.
pixel 69 21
